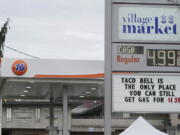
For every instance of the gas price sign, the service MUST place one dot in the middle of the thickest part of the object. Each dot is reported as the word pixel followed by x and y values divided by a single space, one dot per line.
pixel 149 57
pixel 159 57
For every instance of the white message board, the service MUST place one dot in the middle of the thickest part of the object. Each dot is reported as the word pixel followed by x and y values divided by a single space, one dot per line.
pixel 146 23
pixel 145 92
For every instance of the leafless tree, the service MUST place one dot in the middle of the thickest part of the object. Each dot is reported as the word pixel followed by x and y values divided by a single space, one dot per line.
pixel 3 33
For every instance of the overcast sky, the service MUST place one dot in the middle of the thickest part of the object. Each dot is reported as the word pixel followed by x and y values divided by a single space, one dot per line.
pixel 60 29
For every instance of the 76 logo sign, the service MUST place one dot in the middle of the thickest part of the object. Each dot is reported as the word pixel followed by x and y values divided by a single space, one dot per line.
pixel 19 67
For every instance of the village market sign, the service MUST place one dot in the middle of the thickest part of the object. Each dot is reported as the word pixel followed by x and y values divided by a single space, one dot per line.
pixel 146 23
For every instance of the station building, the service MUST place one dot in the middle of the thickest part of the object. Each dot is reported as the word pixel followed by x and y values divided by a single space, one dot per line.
pixel 62 97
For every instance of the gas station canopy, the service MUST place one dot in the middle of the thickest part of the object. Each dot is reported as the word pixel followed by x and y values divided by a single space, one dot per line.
pixel 36 79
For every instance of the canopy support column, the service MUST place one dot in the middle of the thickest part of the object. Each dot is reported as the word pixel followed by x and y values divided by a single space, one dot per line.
pixel 52 129
pixel 0 116
pixel 65 111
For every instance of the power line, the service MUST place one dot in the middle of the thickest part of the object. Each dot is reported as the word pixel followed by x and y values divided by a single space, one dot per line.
pixel 21 52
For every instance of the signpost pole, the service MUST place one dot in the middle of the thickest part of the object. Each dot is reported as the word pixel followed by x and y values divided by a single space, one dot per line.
pixel 107 93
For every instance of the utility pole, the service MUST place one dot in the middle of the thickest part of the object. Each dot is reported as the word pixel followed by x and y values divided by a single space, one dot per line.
pixel 3 33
